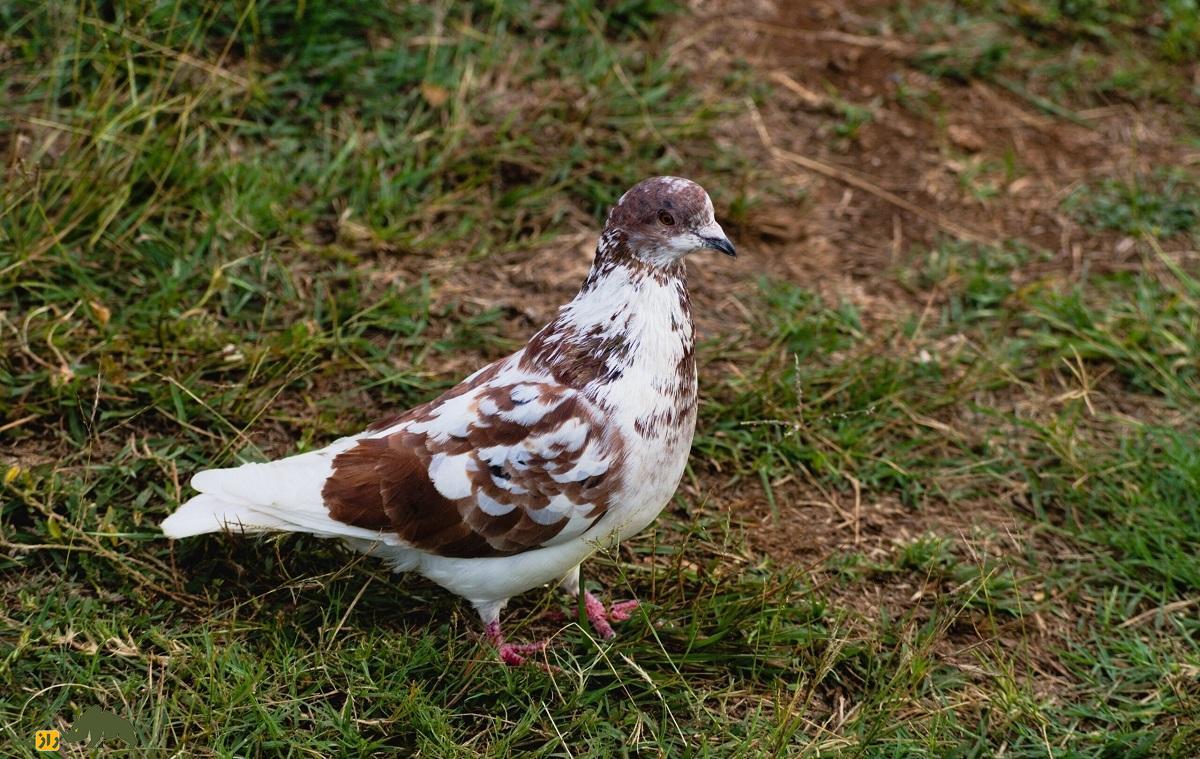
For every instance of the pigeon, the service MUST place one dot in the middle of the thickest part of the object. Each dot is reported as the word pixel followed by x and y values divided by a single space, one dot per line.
pixel 511 478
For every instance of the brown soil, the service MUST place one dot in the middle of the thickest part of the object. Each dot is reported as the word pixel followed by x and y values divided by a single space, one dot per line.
pixel 851 240
pixel 841 235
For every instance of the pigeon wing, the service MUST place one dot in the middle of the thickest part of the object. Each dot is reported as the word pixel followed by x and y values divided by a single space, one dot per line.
pixel 491 469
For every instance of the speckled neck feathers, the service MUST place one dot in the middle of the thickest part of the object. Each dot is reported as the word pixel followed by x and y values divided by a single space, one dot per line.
pixel 628 330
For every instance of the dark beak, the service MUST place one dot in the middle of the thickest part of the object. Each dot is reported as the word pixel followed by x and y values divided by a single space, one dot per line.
pixel 721 244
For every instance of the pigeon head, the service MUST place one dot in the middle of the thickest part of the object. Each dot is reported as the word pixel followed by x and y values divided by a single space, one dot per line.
pixel 662 219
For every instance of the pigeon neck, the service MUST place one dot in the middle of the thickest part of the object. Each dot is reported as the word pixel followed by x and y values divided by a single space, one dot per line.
pixel 629 318
pixel 615 256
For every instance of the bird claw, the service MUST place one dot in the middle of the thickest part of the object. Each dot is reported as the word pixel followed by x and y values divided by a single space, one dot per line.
pixel 600 617
pixel 622 610
pixel 514 654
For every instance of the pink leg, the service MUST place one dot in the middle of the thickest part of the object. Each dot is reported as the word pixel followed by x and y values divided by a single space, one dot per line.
pixel 512 654
pixel 597 615
pixel 600 617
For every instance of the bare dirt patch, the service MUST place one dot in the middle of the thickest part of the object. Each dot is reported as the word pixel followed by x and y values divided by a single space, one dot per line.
pixel 908 176
pixel 921 140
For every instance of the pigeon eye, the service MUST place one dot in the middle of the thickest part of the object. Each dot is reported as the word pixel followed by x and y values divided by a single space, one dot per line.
pixel 666 218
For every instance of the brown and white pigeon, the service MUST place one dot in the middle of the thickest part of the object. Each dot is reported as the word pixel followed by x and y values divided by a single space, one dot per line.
pixel 517 474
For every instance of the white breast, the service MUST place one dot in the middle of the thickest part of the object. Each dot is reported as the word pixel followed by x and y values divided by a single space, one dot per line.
pixel 653 402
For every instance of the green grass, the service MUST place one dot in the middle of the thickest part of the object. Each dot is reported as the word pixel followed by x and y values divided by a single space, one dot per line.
pixel 959 526
pixel 1156 206
pixel 1063 55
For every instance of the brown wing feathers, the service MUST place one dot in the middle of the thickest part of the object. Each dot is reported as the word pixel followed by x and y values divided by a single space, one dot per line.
pixel 381 485
pixel 384 483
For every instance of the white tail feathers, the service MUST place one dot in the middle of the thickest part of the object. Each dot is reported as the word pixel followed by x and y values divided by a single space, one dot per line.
pixel 282 495
pixel 208 513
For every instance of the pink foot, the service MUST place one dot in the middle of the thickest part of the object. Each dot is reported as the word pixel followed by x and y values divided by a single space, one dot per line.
pixel 512 654
pixel 622 610
pixel 599 616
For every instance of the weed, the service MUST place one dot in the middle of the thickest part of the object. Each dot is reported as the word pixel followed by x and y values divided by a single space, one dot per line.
pixel 1158 207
